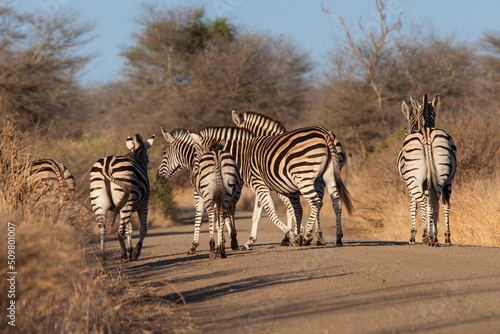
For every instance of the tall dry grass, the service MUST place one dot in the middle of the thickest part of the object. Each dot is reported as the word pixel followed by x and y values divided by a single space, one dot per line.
pixel 61 287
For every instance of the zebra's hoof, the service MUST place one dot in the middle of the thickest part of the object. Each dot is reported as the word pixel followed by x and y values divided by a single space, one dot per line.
pixel 234 245
pixel 191 251
pixel 247 247
pixel 285 241
pixel 307 240
pixel 136 252
pixel 222 252
pixel 339 242
pixel 320 241
pixel 296 241
pixel 411 242
pixel 426 240
pixel 212 255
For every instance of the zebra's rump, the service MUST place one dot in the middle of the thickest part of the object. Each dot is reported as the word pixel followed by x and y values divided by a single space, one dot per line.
pixel 428 143
pixel 122 177
pixel 285 159
pixel 48 172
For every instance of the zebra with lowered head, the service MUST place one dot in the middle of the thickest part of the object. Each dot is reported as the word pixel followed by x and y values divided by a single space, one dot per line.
pixel 427 164
pixel 216 183
pixel 303 160
pixel 120 184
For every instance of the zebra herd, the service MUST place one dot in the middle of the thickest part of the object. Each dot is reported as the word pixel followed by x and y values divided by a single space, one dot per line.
pixel 259 153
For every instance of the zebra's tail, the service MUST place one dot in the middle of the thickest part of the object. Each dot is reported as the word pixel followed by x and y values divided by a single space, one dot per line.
pixel 338 160
pixel 117 207
pixel 431 178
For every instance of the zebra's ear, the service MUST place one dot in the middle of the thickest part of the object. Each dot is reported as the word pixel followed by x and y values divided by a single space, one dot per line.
pixel 149 142
pixel 435 102
pixel 414 103
pixel 237 119
pixel 197 141
pixel 130 143
pixel 168 137
pixel 405 110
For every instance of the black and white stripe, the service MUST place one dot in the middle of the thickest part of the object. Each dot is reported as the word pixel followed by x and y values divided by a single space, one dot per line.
pixel 427 163
pixel 216 183
pixel 262 125
pixel 303 160
pixel 120 184
pixel 49 178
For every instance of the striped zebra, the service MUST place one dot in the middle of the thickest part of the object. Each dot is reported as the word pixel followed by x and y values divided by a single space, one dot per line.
pixel 427 163
pixel 303 160
pixel 120 184
pixel 261 125
pixel 216 183
pixel 49 177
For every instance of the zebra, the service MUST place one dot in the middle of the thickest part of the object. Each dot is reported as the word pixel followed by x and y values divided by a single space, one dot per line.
pixel 120 184
pixel 49 176
pixel 262 125
pixel 303 160
pixel 427 163
pixel 215 179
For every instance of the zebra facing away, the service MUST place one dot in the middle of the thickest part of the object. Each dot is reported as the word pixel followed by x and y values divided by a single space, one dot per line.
pixel 49 177
pixel 120 184
pixel 427 163
pixel 216 183
pixel 262 125
pixel 303 160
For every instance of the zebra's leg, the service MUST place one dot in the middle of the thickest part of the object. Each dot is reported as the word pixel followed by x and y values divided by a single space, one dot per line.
pixel 413 213
pixel 101 224
pixel 100 203
pixel 220 219
pixel 209 206
pixel 316 203
pixel 292 214
pixel 121 237
pixel 431 218
pixel 198 206
pixel 230 223
pixel 425 222
pixel 328 180
pixel 143 230
pixel 128 236
pixel 265 198
pixel 446 211
pixel 256 214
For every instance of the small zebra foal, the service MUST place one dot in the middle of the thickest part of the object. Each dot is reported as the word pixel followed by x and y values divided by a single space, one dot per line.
pixel 215 179
pixel 120 184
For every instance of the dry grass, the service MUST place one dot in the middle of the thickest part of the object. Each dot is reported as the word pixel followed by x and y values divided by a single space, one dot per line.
pixel 61 287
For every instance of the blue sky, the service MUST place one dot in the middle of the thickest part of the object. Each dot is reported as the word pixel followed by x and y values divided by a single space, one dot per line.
pixel 302 20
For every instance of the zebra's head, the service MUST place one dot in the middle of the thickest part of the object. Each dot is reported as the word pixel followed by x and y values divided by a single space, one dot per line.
pixel 180 152
pixel 420 116
pixel 138 148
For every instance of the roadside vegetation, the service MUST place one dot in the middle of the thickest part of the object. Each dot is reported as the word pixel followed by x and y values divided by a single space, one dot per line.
pixel 184 69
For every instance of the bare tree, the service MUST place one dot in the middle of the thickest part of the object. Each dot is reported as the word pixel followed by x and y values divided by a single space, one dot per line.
pixel 39 63
pixel 373 49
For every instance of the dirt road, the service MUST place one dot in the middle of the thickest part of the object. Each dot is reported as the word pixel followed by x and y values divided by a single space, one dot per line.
pixel 363 287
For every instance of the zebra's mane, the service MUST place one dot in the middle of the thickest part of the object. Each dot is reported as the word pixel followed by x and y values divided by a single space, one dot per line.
pixel 182 134
pixel 262 116
pixel 228 130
